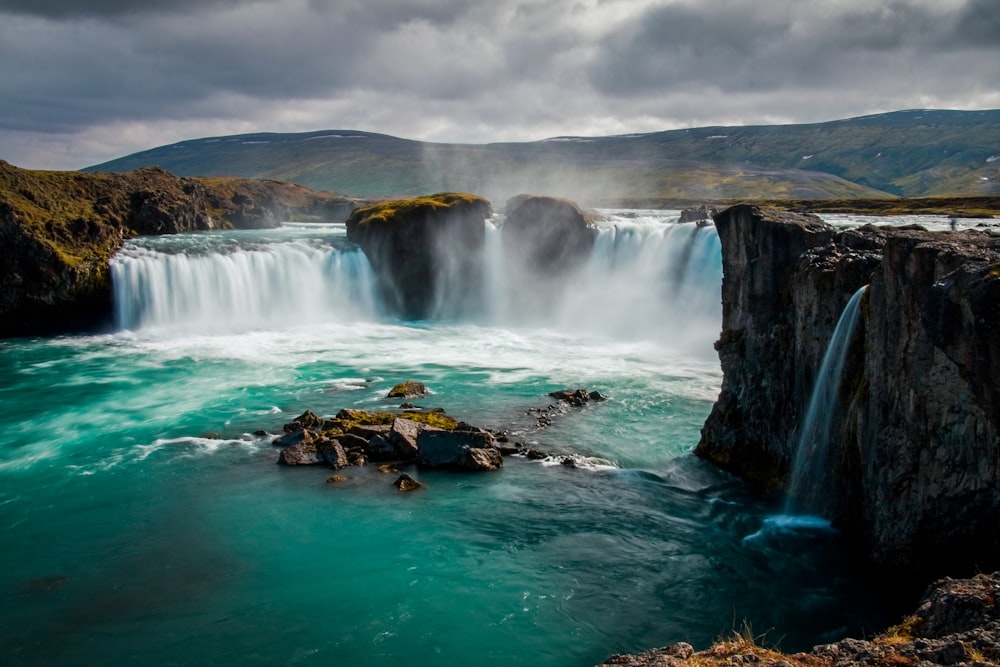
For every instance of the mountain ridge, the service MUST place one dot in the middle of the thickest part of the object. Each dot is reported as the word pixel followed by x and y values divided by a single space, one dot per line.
pixel 912 153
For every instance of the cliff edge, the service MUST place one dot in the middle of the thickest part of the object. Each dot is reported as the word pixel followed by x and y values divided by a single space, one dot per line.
pixel 58 231
pixel 913 468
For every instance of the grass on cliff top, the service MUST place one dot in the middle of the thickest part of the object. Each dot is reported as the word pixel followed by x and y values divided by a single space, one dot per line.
pixel 962 207
pixel 396 209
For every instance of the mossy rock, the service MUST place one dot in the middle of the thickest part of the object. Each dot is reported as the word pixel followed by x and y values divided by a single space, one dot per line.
pixel 347 419
pixel 427 252
pixel 408 389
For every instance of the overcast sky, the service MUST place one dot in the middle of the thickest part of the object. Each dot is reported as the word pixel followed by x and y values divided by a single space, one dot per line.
pixel 83 81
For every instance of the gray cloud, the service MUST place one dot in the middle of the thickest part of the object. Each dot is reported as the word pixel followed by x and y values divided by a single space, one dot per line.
pixel 113 76
pixel 978 24
pixel 60 9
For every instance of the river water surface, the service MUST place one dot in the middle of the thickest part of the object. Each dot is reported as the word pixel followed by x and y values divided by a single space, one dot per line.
pixel 144 524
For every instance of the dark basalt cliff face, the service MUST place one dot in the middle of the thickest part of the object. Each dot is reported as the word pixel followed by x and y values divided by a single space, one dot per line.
pixel 58 231
pixel 914 472
pixel 413 244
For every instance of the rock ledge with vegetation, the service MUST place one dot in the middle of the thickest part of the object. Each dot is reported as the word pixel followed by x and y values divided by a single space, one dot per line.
pixel 58 231
pixel 956 623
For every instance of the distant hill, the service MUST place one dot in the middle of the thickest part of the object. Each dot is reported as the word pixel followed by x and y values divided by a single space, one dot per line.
pixel 905 153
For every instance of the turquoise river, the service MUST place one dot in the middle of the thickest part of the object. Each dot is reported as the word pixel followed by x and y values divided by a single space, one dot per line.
pixel 144 524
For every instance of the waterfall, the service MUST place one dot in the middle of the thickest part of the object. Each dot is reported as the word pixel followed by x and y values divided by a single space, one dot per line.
pixel 807 490
pixel 227 288
pixel 647 277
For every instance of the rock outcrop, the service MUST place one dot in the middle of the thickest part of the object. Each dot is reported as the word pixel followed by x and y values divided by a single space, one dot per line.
pixel 956 623
pixel 58 231
pixel 427 252
pixel 547 242
pixel 547 235
pixel 915 447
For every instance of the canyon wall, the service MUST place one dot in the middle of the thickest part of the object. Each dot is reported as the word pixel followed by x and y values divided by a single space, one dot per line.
pixel 915 442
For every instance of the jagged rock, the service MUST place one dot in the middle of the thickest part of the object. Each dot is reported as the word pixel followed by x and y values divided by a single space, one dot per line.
pixel 351 441
pixel 306 420
pixel 300 455
pixel 698 214
pixel 300 436
pixel 409 241
pixel 406 483
pixel 379 448
pixel 332 452
pixel 575 397
pixel 369 431
pixel 403 437
pixel 481 458
pixel 461 450
pixel 915 450
pixel 408 389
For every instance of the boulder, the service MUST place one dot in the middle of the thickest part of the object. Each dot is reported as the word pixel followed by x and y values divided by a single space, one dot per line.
pixel 333 453
pixel 406 483
pixel 351 441
pixel 481 458
pixel 298 437
pixel 404 435
pixel 427 252
pixel 300 455
pixel 408 389
pixel 458 450
pixel 306 420
pixel 546 236
pixel 379 449
pixel 575 397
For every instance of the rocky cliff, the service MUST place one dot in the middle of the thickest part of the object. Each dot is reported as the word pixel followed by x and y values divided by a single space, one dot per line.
pixel 427 252
pixel 913 473
pixel 58 231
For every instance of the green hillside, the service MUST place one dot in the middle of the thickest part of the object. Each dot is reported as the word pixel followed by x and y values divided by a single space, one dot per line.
pixel 907 153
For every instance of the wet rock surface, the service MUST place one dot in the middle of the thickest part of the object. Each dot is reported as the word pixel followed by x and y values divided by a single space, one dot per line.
pixel 915 454
pixel 425 439
pixel 407 241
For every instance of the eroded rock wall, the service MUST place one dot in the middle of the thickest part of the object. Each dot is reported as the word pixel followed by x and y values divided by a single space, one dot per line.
pixel 914 443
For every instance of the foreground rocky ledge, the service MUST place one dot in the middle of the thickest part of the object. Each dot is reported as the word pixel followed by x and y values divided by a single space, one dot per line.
pixel 956 623
pixel 914 461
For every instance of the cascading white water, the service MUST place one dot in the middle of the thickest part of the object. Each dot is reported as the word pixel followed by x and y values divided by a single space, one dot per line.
pixel 167 282
pixel 646 277
pixel 807 492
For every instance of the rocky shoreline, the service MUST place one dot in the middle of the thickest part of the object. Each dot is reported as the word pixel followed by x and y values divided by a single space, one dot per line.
pixel 957 622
